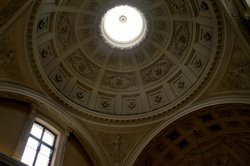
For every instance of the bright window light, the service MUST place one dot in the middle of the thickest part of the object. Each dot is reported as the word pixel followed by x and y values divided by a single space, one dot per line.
pixel 248 3
pixel 40 146
pixel 123 26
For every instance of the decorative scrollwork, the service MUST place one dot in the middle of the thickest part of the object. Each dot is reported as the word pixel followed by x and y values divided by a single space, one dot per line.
pixel 156 71
pixel 119 81
pixel 181 39
pixel 178 5
pixel 83 66
pixel 65 32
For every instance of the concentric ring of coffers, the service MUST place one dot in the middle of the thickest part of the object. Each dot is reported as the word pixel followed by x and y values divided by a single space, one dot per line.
pixel 179 41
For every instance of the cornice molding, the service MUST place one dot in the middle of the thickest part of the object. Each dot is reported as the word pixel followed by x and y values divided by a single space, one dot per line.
pixel 153 115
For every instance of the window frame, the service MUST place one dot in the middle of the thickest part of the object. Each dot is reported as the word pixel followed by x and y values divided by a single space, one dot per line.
pixel 41 142
pixel 61 131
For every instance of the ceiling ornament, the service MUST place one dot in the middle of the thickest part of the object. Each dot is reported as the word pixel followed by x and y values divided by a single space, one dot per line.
pixel 216 135
pixel 238 76
pixel 89 77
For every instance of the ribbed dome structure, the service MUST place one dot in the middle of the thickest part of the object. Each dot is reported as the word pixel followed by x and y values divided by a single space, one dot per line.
pixel 165 70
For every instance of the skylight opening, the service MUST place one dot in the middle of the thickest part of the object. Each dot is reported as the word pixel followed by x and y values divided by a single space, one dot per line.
pixel 123 26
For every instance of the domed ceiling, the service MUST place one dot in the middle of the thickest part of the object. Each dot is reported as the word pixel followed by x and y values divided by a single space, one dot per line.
pixel 216 135
pixel 81 70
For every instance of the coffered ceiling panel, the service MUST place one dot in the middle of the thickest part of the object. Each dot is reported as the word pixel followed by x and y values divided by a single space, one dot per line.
pixel 91 77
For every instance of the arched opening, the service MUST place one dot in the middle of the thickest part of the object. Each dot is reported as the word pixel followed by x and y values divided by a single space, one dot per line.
pixel 217 134
pixel 32 135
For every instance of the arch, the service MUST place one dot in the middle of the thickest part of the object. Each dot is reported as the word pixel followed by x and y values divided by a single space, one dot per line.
pixel 17 92
pixel 223 99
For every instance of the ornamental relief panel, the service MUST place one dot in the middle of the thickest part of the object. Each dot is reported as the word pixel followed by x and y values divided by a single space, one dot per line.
pixel 197 62
pixel 238 75
pixel 117 146
pixel 157 71
pixel 157 97
pixel 203 8
pixel 59 77
pixel 179 6
pixel 43 25
pixel 80 65
pixel 105 103
pixel 83 66
pixel 46 53
pixel 65 32
pixel 80 94
pixel 132 104
pixel 181 39
pixel 116 81
pixel 180 84
pixel 205 36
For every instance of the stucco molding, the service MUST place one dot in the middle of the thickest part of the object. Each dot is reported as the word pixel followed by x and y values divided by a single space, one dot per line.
pixel 103 104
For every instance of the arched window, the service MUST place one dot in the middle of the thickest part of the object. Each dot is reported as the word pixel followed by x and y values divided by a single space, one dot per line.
pixel 40 146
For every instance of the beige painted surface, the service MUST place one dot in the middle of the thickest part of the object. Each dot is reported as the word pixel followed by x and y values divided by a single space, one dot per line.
pixel 3 3
pixel 75 155
pixel 13 116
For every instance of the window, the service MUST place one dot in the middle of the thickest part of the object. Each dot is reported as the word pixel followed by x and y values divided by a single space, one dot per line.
pixel 40 146
pixel 248 3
